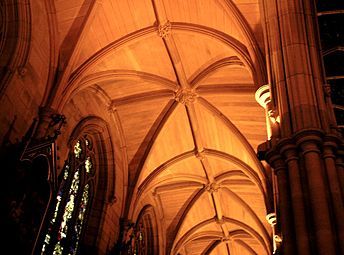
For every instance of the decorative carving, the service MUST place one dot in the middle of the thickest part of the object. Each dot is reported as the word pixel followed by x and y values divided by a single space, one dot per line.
pixel 271 218
pixel 273 116
pixel 164 29
pixel 200 155
pixel 185 96
pixel 55 125
pixel 111 108
pixel 263 97
pixel 22 71
pixel 49 126
pixel 225 239
pixel 213 187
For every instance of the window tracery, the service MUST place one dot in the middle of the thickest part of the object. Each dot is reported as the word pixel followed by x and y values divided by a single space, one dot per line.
pixel 69 214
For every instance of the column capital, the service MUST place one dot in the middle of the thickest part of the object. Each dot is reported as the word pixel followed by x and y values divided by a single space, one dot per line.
pixel 274 158
pixel 288 149
pixel 263 95
pixel 341 148
pixel 331 146
pixel 332 141
pixel 309 140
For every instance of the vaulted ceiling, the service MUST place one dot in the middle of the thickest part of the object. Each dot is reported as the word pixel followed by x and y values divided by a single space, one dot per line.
pixel 178 80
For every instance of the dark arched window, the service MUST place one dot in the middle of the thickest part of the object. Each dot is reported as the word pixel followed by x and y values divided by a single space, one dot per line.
pixel 330 20
pixel 70 210
pixel 147 232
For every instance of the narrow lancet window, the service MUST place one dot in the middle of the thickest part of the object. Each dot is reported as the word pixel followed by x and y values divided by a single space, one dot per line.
pixel 72 202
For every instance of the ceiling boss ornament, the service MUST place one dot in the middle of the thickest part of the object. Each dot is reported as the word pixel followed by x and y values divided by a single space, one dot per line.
pixel 185 96
pixel 164 29
pixel 212 187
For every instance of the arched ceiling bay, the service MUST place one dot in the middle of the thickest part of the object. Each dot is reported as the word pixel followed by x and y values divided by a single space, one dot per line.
pixel 200 173
pixel 178 80
pixel 113 20
pixel 145 55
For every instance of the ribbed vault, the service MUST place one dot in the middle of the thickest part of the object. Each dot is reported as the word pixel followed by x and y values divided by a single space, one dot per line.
pixel 177 87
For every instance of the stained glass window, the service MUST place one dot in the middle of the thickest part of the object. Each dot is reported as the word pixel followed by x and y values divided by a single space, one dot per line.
pixel 72 202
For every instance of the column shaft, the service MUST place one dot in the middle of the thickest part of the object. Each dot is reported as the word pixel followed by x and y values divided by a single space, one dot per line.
pixel 297 199
pixel 318 199
pixel 284 207
pixel 336 194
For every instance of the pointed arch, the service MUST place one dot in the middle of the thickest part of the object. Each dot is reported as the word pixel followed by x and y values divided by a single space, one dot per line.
pixel 149 224
pixel 15 39
pixel 77 75
pixel 77 215
pixel 239 135
pixel 253 48
pixel 201 74
pixel 240 225
pixel 131 196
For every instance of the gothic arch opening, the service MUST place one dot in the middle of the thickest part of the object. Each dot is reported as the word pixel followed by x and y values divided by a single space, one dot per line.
pixel 76 219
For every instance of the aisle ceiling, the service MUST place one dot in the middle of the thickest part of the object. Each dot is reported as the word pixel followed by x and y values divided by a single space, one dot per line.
pixel 178 78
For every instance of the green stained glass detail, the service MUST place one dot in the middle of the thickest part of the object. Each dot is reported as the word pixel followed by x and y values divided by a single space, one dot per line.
pixel 47 237
pixel 52 221
pixel 65 173
pixel 67 220
pixel 68 212
pixel 58 198
pixel 81 217
pixel 58 249
pixel 87 142
pixel 88 165
pixel 46 242
pixel 77 149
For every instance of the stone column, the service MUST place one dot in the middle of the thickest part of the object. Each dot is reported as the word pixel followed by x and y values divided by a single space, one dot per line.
pixel 340 167
pixel 284 208
pixel 329 147
pixel 312 169
pixel 317 187
pixel 289 151
pixel 296 78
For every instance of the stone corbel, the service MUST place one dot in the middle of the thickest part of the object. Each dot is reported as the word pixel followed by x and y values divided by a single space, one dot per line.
pixel 49 125
pixel 263 97
pixel 277 240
